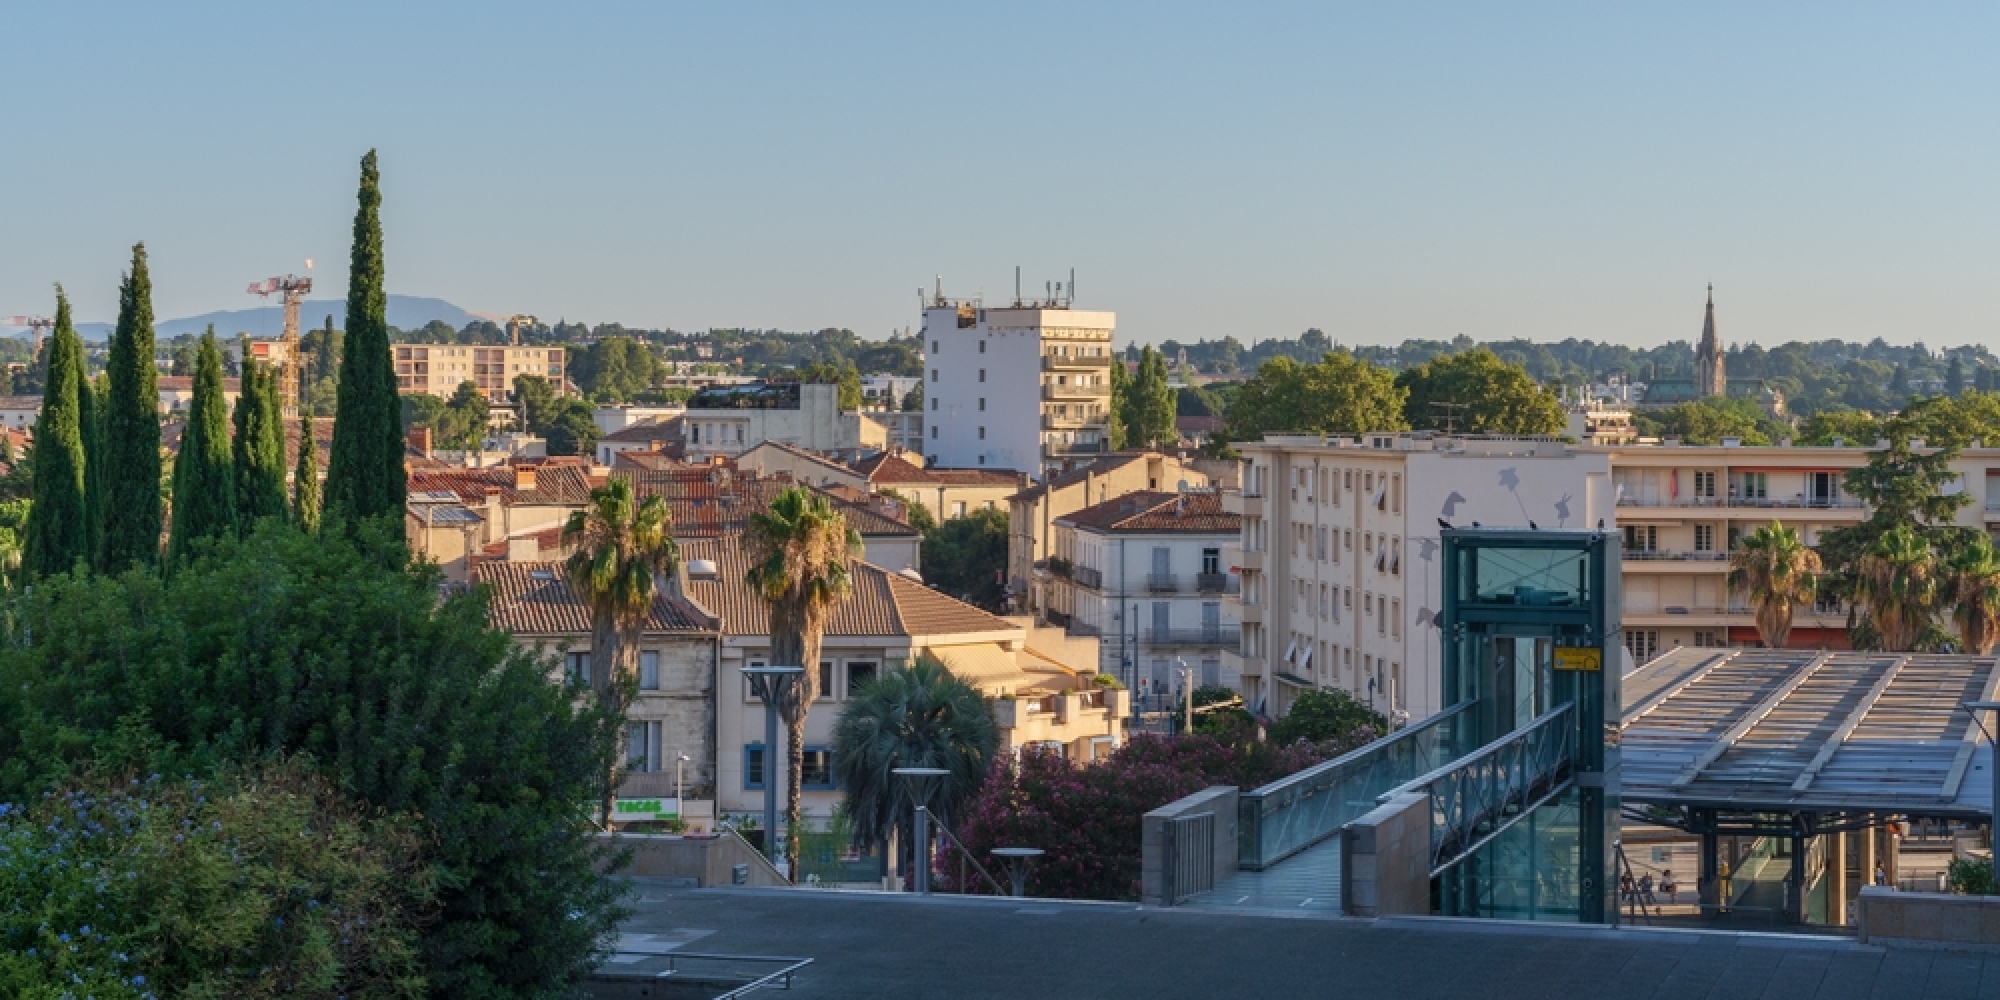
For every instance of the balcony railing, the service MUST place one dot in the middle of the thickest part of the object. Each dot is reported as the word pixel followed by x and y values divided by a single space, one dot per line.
pixel 1088 576
pixel 1065 362
pixel 1666 555
pixel 1215 583
pixel 1062 449
pixel 1077 628
pixel 1206 635
pixel 1735 610
pixel 1162 583
pixel 1074 391
pixel 1052 421
pixel 1058 566
pixel 1795 502
pixel 1056 618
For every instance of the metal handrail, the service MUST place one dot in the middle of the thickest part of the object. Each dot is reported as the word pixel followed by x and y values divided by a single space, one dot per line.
pixel 965 855
pixel 1337 791
pixel 1476 797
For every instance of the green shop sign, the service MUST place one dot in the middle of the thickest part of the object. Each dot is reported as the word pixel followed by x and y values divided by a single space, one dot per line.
pixel 635 809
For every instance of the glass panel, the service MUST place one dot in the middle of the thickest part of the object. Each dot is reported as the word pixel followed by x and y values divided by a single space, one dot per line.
pixel 649 671
pixel 1524 577
pixel 1528 872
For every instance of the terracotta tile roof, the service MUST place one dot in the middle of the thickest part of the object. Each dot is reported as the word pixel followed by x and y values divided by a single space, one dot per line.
pixel 881 604
pixel 797 452
pixel 711 501
pixel 660 430
pixel 20 402
pixel 555 485
pixel 533 598
pixel 1098 467
pixel 644 461
pixel 890 468
pixel 1154 512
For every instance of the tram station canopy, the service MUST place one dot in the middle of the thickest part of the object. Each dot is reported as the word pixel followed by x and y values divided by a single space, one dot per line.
pixel 1808 731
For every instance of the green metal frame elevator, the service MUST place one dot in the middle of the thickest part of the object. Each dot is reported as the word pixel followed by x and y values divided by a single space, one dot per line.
pixel 1531 638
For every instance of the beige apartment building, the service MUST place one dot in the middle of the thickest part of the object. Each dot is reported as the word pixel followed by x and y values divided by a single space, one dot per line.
pixel 1031 513
pixel 1339 552
pixel 439 369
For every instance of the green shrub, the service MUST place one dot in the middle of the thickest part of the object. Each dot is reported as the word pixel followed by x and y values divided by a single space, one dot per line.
pixel 270 885
pixel 1325 714
pixel 1971 877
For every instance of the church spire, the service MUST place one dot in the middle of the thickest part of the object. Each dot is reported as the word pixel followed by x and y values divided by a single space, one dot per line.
pixel 1710 379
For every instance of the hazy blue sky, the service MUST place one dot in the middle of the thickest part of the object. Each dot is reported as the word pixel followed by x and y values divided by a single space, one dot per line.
pixel 1379 171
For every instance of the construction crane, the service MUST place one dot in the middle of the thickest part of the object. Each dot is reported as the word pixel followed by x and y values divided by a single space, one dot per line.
pixel 294 289
pixel 37 326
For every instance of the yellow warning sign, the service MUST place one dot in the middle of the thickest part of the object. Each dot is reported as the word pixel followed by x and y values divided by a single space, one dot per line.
pixel 1579 658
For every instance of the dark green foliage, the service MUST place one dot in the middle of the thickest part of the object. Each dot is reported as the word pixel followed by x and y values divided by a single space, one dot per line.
pixel 913 401
pixel 1708 421
pixel 966 557
pixel 1901 489
pixel 919 717
pixel 614 368
pixel 1484 395
pixel 538 402
pixel 90 411
pixel 1327 714
pixel 292 644
pixel 1971 877
pixel 258 450
pixel 1340 394
pixel 1121 394
pixel 144 888
pixel 1147 404
pixel 204 482
pixel 1218 712
pixel 57 532
pixel 305 480
pixel 845 375
pixel 365 477
pixel 129 428
pixel 572 432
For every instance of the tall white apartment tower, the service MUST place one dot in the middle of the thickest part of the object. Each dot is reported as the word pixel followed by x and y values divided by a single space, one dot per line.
pixel 1026 387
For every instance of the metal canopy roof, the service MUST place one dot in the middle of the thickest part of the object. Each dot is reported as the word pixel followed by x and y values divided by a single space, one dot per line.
pixel 1783 730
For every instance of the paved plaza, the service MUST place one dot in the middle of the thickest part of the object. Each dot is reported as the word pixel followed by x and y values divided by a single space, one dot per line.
pixel 879 945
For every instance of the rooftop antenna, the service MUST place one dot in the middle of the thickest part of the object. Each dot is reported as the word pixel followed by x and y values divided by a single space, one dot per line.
pixel 1072 286
pixel 1017 286
pixel 1450 413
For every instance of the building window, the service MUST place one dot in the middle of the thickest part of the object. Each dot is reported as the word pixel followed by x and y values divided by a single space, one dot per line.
pixel 982 374
pixel 982 404
pixel 1704 485
pixel 934 347
pixel 982 347
pixel 1708 638
pixel 576 668
pixel 982 433
pixel 815 769
pixel 958 508
pixel 642 747
pixel 1211 560
pixel 934 375
pixel 1642 538
pixel 934 432
pixel 1643 644
pixel 1704 538
pixel 649 670
pixel 825 680
pixel 858 675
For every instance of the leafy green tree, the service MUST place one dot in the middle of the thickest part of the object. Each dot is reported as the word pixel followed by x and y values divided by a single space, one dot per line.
pixel 130 431
pixel 58 533
pixel 614 368
pixel 919 516
pixel 538 402
pixel 464 421
pixel 1706 421
pixel 258 449
pixel 1903 489
pixel 305 481
pixel 800 550
pixel 1340 394
pixel 967 557
pixel 320 355
pixel 1149 405
pixel 204 482
pixel 1115 430
pixel 284 644
pixel 90 411
pixel 913 401
pixel 919 717
pixel 621 549
pixel 206 889
pixel 421 409
pixel 1954 378
pixel 365 477
pixel 1496 397
pixel 1899 581
pixel 1327 714
pixel 1778 573
pixel 572 432
pixel 1855 427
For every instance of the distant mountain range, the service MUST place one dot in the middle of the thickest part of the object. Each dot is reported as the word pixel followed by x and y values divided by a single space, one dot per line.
pixel 406 312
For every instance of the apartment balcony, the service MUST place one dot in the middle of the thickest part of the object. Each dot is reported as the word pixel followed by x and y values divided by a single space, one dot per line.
pixel 1795 502
pixel 1074 391
pixel 1076 629
pixel 1669 561
pixel 1216 583
pixel 1072 362
pixel 1230 635
pixel 1058 422
pixel 1088 576
pixel 1731 615
pixel 1162 583
pixel 1073 449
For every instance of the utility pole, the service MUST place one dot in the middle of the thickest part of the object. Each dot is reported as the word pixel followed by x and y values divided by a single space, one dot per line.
pixel 1451 411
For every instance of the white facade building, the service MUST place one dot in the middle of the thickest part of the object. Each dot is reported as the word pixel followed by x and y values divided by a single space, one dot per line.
pixel 1339 552
pixel 887 391
pixel 1145 572
pixel 728 421
pixel 1026 387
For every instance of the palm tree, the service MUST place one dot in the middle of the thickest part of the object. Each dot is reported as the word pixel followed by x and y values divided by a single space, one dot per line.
pixel 1972 583
pixel 799 553
pixel 1778 572
pixel 622 549
pixel 920 717
pixel 1898 580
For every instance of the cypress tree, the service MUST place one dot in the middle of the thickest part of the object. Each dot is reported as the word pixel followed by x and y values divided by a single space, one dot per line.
pixel 305 480
pixel 259 448
pixel 130 429
pixel 204 491
pixel 90 409
pixel 58 529
pixel 365 477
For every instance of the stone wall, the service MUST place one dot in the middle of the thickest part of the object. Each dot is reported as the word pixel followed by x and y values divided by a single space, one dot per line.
pixel 685 708
pixel 1385 860
pixel 1929 919
pixel 693 861
pixel 1219 800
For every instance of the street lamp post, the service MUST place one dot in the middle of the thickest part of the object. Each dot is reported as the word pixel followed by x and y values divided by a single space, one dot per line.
pixel 1017 859
pixel 680 787
pixel 1992 740
pixel 769 684
pixel 923 780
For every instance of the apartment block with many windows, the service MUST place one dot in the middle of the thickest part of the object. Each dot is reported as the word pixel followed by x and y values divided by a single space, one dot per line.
pixel 1027 387
pixel 439 369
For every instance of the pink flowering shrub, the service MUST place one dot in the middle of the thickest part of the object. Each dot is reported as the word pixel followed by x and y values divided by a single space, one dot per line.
pixel 1086 818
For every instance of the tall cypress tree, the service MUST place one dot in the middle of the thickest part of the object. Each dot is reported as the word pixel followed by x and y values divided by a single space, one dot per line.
pixel 305 480
pixel 130 426
pixel 58 528
pixel 365 477
pixel 204 490
pixel 90 413
pixel 259 448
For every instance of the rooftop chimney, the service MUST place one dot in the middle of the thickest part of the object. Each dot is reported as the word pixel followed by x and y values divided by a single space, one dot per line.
pixel 524 478
pixel 420 439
